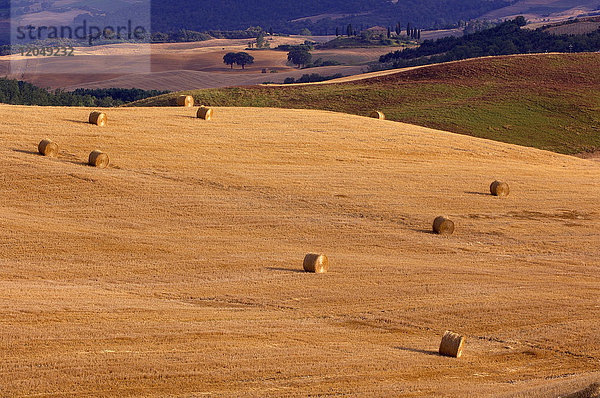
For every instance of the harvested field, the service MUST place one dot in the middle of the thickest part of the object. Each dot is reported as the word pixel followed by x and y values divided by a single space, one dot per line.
pixel 177 270
pixel 577 28
pixel 538 10
pixel 174 66
pixel 193 80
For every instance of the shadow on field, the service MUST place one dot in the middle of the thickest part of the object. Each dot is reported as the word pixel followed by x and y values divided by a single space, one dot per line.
pixel 300 271
pixel 477 193
pixel 425 231
pixel 427 352
pixel 27 152
pixel 76 121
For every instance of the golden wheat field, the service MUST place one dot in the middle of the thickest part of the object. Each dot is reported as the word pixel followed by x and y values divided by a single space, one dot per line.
pixel 177 270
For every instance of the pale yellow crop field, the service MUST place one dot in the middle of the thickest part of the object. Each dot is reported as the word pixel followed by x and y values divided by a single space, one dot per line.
pixel 177 270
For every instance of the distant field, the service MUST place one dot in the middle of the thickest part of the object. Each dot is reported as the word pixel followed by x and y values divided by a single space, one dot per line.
pixel 177 66
pixel 576 28
pixel 538 10
pixel 547 101
pixel 437 34
pixel 177 271
pixel 353 56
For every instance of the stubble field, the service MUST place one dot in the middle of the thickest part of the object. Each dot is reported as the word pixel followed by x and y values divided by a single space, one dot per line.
pixel 176 271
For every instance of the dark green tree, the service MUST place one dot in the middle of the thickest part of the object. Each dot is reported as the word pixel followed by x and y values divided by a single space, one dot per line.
pixel 349 30
pixel 229 59
pixel 299 56
pixel 160 37
pixel 242 59
pixel 260 41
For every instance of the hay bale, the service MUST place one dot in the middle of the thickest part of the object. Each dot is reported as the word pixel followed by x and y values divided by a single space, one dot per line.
pixel 98 159
pixel 499 188
pixel 204 113
pixel 377 115
pixel 443 225
pixel 47 148
pixel 98 118
pixel 452 344
pixel 316 263
pixel 185 100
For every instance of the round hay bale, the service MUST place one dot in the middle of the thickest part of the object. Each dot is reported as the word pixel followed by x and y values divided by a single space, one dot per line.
pixel 98 159
pixel 185 100
pixel 443 225
pixel 48 148
pixel 316 263
pixel 98 118
pixel 204 113
pixel 377 115
pixel 499 188
pixel 452 344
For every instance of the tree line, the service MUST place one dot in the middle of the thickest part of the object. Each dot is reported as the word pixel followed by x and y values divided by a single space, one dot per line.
pixel 504 39
pixel 188 35
pixel 311 78
pixel 18 92
pixel 411 31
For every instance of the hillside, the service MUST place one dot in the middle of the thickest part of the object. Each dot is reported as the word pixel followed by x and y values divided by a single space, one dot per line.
pixel 508 38
pixel 577 26
pixel 320 16
pixel 175 271
pixel 284 16
pixel 547 101
pixel 552 10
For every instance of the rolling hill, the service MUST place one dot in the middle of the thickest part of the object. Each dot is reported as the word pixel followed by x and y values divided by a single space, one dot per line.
pixel 175 66
pixel 283 15
pixel 547 101
pixel 319 15
pixel 176 270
